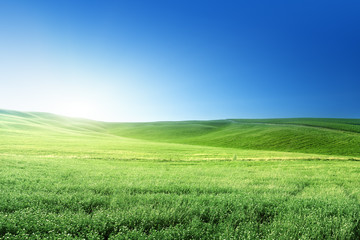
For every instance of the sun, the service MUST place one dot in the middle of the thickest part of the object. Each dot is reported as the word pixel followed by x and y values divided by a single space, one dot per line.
pixel 77 108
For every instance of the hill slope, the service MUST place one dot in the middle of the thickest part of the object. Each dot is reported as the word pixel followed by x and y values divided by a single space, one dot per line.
pixel 338 137
pixel 323 136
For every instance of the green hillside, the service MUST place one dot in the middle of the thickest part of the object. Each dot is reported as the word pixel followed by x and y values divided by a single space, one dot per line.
pixel 49 134
pixel 322 136
pixel 68 178
pixel 337 137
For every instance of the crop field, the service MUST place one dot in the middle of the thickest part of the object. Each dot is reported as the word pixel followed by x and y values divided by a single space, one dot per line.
pixel 64 178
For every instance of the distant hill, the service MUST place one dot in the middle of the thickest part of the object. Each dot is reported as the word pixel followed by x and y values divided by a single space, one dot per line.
pixel 304 135
pixel 308 135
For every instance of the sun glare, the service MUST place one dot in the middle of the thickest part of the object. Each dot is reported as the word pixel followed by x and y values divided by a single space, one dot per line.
pixel 77 108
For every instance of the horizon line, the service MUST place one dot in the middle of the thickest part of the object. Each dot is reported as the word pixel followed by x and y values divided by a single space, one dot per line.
pixel 182 120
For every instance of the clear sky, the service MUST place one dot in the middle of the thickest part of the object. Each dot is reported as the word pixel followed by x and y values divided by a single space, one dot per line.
pixel 181 59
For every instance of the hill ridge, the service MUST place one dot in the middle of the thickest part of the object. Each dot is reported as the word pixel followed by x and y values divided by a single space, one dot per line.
pixel 329 136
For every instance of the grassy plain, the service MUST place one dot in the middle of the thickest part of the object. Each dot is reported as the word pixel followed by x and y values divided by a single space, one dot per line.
pixel 64 178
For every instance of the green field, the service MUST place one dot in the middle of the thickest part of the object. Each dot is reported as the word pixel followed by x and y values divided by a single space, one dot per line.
pixel 64 178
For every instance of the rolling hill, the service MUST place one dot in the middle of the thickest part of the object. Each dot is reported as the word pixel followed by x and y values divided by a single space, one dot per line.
pixel 336 137
pixel 322 136
pixel 68 178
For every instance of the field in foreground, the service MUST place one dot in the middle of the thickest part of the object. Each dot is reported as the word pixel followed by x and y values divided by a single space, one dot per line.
pixel 63 178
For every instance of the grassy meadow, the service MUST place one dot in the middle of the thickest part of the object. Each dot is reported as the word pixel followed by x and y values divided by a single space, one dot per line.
pixel 64 178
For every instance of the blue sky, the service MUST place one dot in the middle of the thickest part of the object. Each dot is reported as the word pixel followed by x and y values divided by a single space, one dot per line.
pixel 176 60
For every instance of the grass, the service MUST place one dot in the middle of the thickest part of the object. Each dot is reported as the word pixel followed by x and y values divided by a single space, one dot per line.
pixel 64 178
pixel 319 136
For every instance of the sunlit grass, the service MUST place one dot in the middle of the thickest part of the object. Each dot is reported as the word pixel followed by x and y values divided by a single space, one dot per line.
pixel 65 179
pixel 101 198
